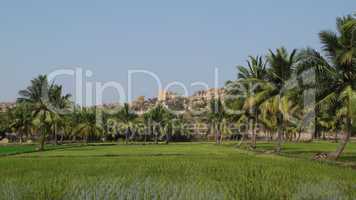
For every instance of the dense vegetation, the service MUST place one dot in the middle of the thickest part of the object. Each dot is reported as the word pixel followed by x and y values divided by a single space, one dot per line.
pixel 271 99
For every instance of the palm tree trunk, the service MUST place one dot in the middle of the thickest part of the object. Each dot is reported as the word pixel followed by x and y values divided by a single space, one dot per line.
pixel 117 137
pixel 73 138
pixel 20 137
pixel 156 135
pixel 55 135
pixel 167 138
pixel 42 142
pixel 62 138
pixel 168 135
pixel 253 144
pixel 145 136
pixel 345 139
pixel 217 137
pixel 127 135
pixel 299 135
pixel 279 132
pixel 316 128
pixel 151 132
pixel 337 128
pixel 279 142
pixel 251 130
pixel 336 135
pixel 268 135
pixel 218 133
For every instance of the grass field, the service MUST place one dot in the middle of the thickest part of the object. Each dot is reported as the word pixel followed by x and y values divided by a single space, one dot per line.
pixel 308 150
pixel 174 171
pixel 27 148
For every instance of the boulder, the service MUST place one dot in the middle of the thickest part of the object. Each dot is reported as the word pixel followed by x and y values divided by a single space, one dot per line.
pixel 320 156
pixel 4 141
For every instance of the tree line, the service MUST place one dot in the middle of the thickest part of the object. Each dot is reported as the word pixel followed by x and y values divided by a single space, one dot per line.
pixel 276 87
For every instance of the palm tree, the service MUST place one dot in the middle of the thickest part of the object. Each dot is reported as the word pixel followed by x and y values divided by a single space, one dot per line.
pixel 59 105
pixel 238 92
pixel 139 129
pixel 21 120
pixel 168 124
pixel 251 76
pixel 128 117
pixel 37 95
pixel 179 127
pixel 147 120
pixel 45 101
pixel 216 117
pixel 69 123
pixel 268 119
pixel 350 25
pixel 336 73
pixel 4 123
pixel 156 117
pixel 272 91
pixel 68 126
pixel 88 127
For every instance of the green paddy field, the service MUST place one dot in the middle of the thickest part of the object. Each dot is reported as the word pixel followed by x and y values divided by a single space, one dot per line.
pixel 174 171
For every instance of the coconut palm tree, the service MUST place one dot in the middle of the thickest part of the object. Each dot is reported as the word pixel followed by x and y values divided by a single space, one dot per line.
pixel 59 105
pixel 216 117
pixel 168 124
pixel 4 123
pixel 268 119
pixel 250 76
pixel 237 93
pixel 147 120
pixel 156 117
pixel 336 73
pixel 139 129
pixel 37 95
pixel 255 69
pixel 88 126
pixel 45 100
pixel 68 126
pixel 127 117
pixel 350 25
pixel 69 123
pixel 21 120
pixel 180 129
pixel 273 91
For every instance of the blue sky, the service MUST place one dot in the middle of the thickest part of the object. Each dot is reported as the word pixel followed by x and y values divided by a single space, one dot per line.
pixel 178 40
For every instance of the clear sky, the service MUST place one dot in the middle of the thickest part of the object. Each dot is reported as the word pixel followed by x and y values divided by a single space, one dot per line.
pixel 178 40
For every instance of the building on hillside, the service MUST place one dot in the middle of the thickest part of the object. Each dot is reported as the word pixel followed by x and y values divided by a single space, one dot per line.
pixel 209 94
pixel 200 99
pixel 6 105
pixel 141 104
pixel 164 95
pixel 176 102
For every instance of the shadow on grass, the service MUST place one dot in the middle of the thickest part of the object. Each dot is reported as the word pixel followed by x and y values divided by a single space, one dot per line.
pixel 109 155
pixel 33 150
